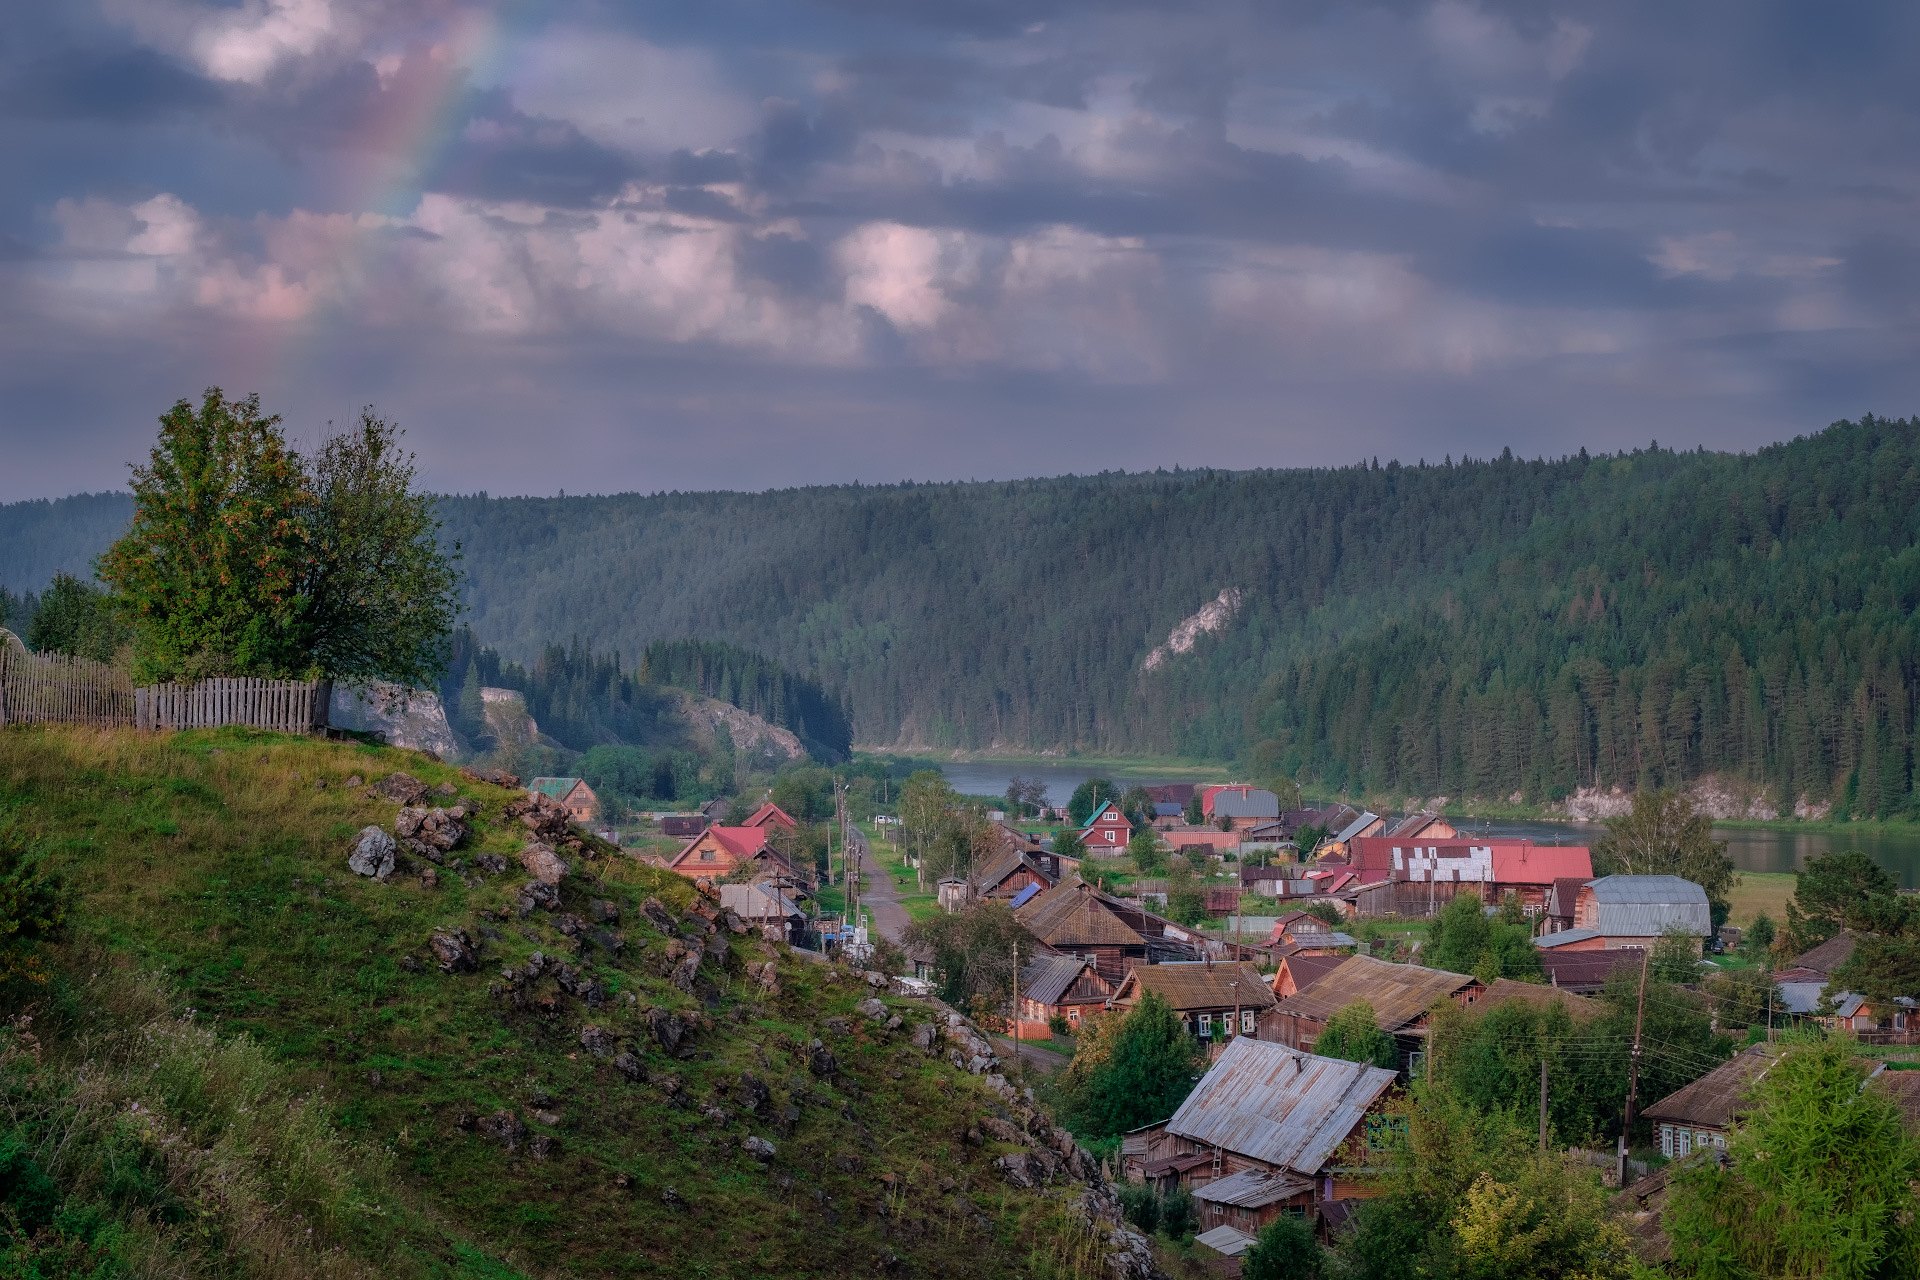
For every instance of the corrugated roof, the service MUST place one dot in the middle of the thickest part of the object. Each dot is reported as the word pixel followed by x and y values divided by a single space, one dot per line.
pixel 1028 894
pixel 1801 998
pixel 1355 827
pixel 757 901
pixel 1248 802
pixel 1553 941
pixel 1198 985
pixel 553 788
pixel 1530 863
pixel 1829 955
pixel 1399 993
pixel 1047 978
pixel 1253 1188
pixel 1412 825
pixel 1716 1097
pixel 1580 1008
pixel 1646 906
pixel 770 812
pixel 1230 1240
pixel 1565 894
pixel 1277 1105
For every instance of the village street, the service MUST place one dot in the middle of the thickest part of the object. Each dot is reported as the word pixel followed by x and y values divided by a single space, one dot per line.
pixel 878 894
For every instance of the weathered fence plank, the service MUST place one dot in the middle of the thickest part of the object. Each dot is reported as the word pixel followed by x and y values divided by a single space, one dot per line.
pixel 52 688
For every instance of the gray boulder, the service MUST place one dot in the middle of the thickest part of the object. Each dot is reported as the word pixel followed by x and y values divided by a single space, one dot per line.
pixel 543 864
pixel 372 854
pixel 871 1009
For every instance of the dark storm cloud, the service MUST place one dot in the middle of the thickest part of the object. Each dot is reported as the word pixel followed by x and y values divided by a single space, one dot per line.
pixel 810 239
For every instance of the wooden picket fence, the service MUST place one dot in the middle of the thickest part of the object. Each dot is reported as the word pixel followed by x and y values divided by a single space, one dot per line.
pixel 291 706
pixel 53 688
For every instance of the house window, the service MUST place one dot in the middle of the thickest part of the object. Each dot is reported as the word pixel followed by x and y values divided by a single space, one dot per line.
pixel 1702 1140
pixel 1073 1015
pixel 706 855
pixel 1383 1132
pixel 1666 1141
pixel 1720 1141
pixel 1246 1022
pixel 1206 1025
pixel 1684 1142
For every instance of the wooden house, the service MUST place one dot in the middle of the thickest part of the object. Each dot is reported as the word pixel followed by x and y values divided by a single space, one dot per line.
pixel 1339 845
pixel 574 795
pixel 1403 997
pixel 1422 826
pixel 770 815
pixel 1433 870
pixel 1587 972
pixel 1698 1116
pixel 1075 918
pixel 1270 1130
pixel 683 826
pixel 1241 807
pixel 1106 833
pixel 1068 987
pixel 718 852
pixel 1632 911
pixel 1310 935
pixel 1215 1001
pixel 1299 971
pixel 764 905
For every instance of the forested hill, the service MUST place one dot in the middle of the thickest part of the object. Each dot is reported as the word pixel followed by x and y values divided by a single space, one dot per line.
pixel 1477 628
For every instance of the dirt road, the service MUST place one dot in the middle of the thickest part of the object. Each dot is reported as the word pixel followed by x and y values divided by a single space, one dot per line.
pixel 878 894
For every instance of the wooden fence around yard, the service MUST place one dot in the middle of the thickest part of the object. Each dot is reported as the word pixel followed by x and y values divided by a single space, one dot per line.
pixel 52 688
pixel 291 706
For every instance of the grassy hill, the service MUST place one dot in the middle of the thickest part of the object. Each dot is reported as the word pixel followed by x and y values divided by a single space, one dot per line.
pixel 245 1060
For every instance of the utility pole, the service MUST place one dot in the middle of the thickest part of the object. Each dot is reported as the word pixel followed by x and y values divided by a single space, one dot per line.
pixel 1543 1099
pixel 1016 1001
pixel 1633 1069
pixel 1235 988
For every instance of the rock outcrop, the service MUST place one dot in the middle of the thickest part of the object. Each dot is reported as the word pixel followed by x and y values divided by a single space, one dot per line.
pixel 372 854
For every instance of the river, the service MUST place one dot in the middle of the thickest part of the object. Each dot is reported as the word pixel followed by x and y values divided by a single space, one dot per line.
pixel 1751 848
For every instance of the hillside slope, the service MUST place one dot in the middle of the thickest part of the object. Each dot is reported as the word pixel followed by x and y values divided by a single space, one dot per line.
pixel 1473 628
pixel 273 1075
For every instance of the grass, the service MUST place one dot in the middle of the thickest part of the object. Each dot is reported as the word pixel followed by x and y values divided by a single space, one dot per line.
pixel 919 904
pixel 1758 891
pixel 299 1062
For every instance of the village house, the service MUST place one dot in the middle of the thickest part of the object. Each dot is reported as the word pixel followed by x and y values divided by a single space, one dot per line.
pixel 1422 826
pixel 1310 935
pixel 682 826
pixel 1075 918
pixel 1299 971
pixel 1106 833
pixel 766 906
pixel 1241 808
pixel 1274 1130
pixel 718 852
pixel 1338 847
pixel 1824 958
pixel 1579 1008
pixel 771 815
pixel 1423 875
pixel 1194 843
pixel 1215 1001
pixel 1699 1116
pixel 1066 987
pixel 1632 911
pixel 1563 898
pixel 1587 972
pixel 1403 997
pixel 1169 803
pixel 574 795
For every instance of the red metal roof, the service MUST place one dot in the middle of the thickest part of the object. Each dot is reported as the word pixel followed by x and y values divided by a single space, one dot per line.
pixel 1530 863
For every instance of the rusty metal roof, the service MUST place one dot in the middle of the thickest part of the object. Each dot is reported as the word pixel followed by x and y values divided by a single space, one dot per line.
pixel 1277 1105
pixel 1194 984
pixel 1048 978
pixel 1716 1097
pixel 1253 1188
pixel 1399 993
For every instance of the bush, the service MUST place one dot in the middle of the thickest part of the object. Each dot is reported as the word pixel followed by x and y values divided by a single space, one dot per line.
pixel 1059 1026
pixel 1286 1251
pixel 1140 1206
pixel 1353 1034
pixel 1130 1071
pixel 1178 1217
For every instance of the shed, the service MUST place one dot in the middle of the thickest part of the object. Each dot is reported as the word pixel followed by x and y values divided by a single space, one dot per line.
pixel 1579 1008
pixel 1637 911
pixel 683 825
pixel 1061 987
pixel 573 794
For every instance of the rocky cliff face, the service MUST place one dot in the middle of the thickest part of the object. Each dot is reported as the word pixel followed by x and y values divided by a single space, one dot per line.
pixel 753 738
pixel 406 718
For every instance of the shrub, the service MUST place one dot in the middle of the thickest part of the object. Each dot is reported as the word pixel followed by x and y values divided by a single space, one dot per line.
pixel 1286 1251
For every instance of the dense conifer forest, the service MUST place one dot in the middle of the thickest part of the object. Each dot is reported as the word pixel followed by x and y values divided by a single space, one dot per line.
pixel 1471 627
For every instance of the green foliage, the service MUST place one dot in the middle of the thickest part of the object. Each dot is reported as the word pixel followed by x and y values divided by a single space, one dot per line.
pixel 1463 939
pixel 1144 848
pixel 1354 1034
pixel 1286 1251
pixel 381 594
pixel 1179 1217
pixel 1664 836
pixel 1467 1195
pixel 1194 815
pixel 973 951
pixel 1326 913
pixel 1130 1071
pixel 77 618
pixel 1757 942
pixel 1675 957
pixel 1843 890
pixel 1068 844
pixel 1819 1181
pixel 626 777
pixel 213 570
pixel 33 905
pixel 1186 896
pixel 1140 1205
pixel 1087 798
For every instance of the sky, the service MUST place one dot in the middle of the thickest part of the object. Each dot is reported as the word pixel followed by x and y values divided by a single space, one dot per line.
pixel 606 246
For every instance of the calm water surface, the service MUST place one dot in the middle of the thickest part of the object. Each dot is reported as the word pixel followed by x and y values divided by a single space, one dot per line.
pixel 1751 850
